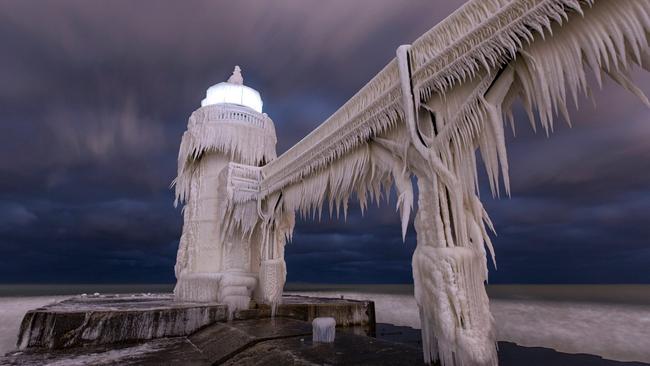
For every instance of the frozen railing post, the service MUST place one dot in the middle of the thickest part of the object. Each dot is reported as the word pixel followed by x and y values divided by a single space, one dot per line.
pixel 323 330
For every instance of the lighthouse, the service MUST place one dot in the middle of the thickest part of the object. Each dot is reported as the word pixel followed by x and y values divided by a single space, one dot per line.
pixel 215 262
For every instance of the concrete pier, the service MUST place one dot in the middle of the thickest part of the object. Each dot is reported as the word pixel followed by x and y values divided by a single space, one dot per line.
pixel 278 341
pixel 108 319
pixel 155 330
pixel 114 319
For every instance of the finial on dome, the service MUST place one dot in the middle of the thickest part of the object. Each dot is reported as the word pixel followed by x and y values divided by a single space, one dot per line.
pixel 236 77
pixel 233 91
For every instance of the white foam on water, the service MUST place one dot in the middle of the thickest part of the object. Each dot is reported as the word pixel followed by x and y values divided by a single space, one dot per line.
pixel 612 331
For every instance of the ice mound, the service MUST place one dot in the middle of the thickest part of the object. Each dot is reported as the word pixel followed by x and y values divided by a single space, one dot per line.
pixel 323 330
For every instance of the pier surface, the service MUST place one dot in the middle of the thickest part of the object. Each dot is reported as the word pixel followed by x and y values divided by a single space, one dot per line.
pixel 278 341
pixel 148 329
pixel 115 319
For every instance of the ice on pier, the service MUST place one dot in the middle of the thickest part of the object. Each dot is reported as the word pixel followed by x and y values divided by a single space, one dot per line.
pixel 435 111
pixel 323 330
pixel 106 319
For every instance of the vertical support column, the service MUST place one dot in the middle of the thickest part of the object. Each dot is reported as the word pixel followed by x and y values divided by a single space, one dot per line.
pixel 273 269
pixel 449 260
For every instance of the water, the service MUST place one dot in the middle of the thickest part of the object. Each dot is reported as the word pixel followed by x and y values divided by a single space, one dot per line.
pixel 611 321
pixel 29 290
pixel 16 300
pixel 615 294
pixel 12 310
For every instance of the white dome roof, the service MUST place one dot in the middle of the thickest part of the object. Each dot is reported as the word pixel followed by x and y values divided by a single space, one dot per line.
pixel 234 92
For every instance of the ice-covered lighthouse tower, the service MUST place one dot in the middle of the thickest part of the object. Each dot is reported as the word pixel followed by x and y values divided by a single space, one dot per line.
pixel 216 263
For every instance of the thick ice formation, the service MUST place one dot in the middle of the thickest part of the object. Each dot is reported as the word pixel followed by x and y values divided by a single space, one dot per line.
pixel 424 115
pixel 323 330
pixel 217 260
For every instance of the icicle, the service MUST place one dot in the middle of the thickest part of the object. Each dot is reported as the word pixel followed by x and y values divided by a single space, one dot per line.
pixel 273 274
pixel 543 49
pixel 240 134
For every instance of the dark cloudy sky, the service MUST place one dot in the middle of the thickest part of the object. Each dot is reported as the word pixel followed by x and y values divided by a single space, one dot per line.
pixel 94 96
